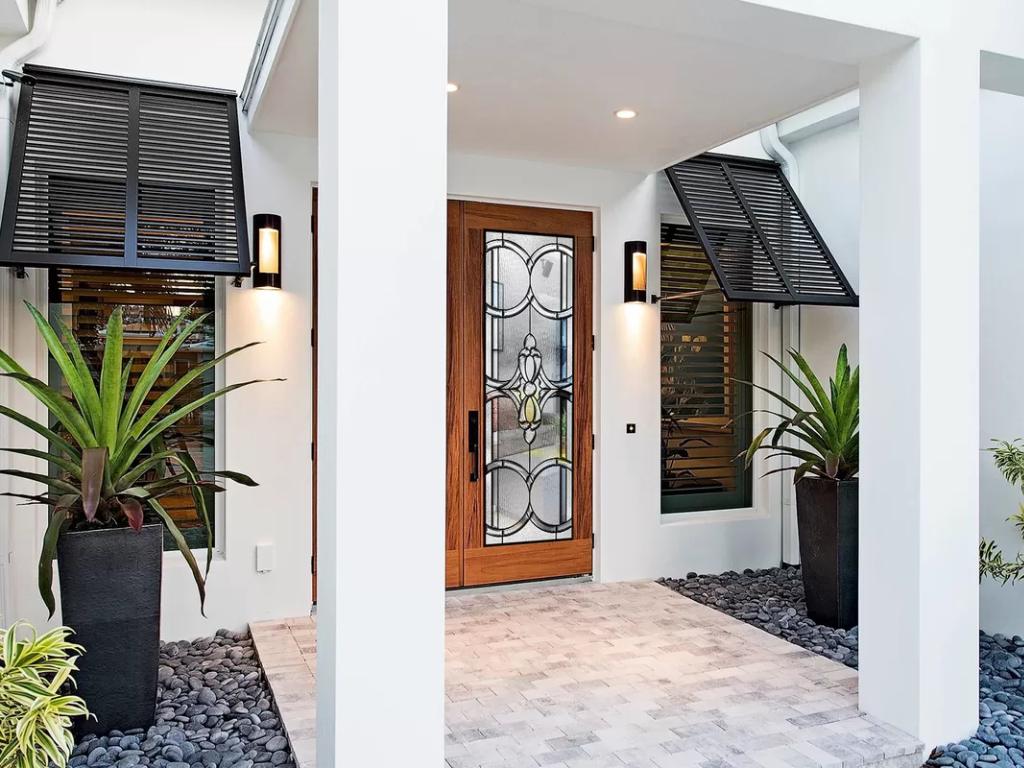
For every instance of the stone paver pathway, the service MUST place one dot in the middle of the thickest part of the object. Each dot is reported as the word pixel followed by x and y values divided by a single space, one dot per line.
pixel 607 676
pixel 287 651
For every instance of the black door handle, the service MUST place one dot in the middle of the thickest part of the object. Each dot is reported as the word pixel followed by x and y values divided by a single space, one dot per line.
pixel 474 446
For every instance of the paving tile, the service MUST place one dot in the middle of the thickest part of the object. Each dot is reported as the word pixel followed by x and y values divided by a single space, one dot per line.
pixel 612 676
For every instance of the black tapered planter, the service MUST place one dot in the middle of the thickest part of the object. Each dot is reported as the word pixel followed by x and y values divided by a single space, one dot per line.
pixel 110 596
pixel 827 523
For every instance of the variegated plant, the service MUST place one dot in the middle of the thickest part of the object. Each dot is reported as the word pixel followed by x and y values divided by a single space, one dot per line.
pixel 35 711
pixel 827 433
pixel 107 441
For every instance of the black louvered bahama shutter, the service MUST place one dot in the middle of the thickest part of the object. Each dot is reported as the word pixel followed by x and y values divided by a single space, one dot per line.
pixel 755 233
pixel 113 173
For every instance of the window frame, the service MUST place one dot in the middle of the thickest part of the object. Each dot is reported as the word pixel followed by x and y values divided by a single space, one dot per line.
pixel 741 498
pixel 194 536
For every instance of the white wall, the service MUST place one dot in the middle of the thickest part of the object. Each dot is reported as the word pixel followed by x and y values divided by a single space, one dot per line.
pixel 634 540
pixel 830 191
pixel 1002 328
pixel 265 430
pixel 196 42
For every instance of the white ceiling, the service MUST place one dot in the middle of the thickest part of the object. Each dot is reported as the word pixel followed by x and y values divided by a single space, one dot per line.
pixel 541 79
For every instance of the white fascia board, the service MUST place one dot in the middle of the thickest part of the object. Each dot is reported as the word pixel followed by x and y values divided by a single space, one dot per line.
pixel 828 114
pixel 269 46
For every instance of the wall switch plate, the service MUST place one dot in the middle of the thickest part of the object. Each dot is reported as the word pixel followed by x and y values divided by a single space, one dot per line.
pixel 265 558
pixel 631 428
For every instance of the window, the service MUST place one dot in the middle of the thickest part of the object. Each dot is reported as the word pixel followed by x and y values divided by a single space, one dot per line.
pixel 705 346
pixel 84 300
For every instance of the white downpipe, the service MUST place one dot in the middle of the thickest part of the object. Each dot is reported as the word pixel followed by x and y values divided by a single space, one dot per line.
pixel 11 57
pixel 790 339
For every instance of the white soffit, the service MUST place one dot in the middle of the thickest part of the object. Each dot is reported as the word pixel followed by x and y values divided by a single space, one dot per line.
pixel 541 79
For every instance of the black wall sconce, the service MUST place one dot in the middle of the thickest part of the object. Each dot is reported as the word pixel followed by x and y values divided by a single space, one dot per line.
pixel 635 263
pixel 266 250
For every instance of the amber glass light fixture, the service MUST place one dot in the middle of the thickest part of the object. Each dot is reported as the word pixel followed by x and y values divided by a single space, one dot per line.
pixel 635 268
pixel 266 250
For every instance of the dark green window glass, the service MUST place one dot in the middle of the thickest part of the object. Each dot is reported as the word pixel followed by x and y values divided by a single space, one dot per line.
pixel 705 346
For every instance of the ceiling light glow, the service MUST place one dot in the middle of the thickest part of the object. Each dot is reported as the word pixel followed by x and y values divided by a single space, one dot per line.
pixel 625 114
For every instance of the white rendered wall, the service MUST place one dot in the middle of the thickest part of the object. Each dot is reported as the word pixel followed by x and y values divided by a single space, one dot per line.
pixel 1002 328
pixel 264 431
pixel 634 540
pixel 830 191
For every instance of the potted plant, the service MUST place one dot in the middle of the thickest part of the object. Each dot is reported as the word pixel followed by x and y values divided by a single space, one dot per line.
pixel 825 447
pixel 35 713
pixel 110 468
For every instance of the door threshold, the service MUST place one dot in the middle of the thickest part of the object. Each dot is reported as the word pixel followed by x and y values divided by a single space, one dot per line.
pixel 537 583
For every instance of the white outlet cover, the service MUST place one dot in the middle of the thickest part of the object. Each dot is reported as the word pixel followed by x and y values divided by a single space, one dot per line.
pixel 265 558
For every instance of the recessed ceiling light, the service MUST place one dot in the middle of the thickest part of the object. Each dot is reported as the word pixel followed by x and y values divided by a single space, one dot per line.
pixel 452 87
pixel 625 114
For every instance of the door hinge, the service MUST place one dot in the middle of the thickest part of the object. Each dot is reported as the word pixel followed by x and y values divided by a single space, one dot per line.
pixel 592 540
pixel 312 563
pixel 312 337
pixel 593 441
pixel 312 451
pixel 312 223
pixel 593 342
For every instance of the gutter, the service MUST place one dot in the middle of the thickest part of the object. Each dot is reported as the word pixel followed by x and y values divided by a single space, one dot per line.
pixel 829 114
pixel 271 17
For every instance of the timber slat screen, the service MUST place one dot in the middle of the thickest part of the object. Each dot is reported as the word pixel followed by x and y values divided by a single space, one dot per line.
pixel 705 345
pixel 756 234
pixel 114 173
pixel 84 300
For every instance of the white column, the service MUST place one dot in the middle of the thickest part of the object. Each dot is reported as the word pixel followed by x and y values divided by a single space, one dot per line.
pixel 919 321
pixel 382 147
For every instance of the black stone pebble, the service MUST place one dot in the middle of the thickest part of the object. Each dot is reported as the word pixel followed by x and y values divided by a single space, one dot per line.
pixel 214 710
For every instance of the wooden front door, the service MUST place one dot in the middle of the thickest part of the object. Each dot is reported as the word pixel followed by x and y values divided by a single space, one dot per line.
pixel 520 435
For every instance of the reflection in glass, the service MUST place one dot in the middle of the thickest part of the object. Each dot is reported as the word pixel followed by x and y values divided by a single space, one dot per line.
pixel 528 340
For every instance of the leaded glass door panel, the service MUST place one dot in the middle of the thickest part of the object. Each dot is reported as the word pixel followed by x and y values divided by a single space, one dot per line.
pixel 520 348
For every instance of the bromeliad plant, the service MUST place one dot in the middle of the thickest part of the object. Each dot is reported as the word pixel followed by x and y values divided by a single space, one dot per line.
pixel 108 444
pixel 35 712
pixel 827 431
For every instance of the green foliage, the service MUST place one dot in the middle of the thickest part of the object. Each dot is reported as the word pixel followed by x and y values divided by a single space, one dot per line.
pixel 108 442
pixel 35 710
pixel 829 440
pixel 1009 460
